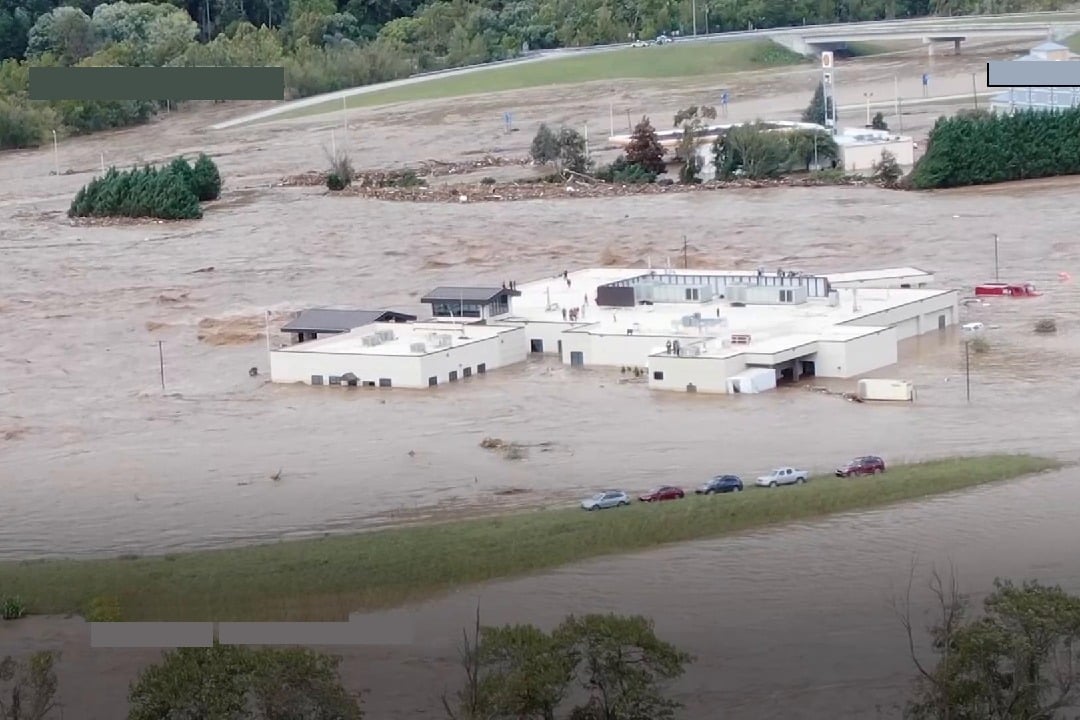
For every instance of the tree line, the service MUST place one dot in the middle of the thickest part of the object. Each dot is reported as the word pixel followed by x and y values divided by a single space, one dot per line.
pixel 1012 657
pixel 327 45
pixel 979 148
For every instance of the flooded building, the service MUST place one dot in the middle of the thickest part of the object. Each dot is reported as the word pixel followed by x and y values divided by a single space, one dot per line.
pixel 719 331
pixel 390 354
pixel 310 324
pixel 700 330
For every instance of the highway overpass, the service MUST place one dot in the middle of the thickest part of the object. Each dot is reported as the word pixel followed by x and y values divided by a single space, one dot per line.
pixel 813 40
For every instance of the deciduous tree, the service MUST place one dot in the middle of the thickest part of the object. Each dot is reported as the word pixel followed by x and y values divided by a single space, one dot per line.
pixel 28 687
pixel 1019 660
pixel 644 148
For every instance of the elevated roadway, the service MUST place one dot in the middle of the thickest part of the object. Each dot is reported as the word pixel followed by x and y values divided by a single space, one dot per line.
pixel 807 39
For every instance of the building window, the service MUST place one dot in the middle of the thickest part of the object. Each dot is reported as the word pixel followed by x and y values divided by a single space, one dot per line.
pixel 692 294
pixel 658 375
pixel 384 382
pixel 481 368
pixel 787 296
pixel 316 379
pixel 453 375
pixel 335 380
pixel 453 308
pixel 432 381
pixel 499 306
pixel 467 372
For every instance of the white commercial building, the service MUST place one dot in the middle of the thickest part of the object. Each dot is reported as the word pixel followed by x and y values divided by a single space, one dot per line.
pixel 715 331
pixel 391 354
pixel 691 330
pixel 861 149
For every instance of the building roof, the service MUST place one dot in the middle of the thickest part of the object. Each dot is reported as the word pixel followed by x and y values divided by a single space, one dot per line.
pixel 869 276
pixel 400 339
pixel 467 294
pixel 336 320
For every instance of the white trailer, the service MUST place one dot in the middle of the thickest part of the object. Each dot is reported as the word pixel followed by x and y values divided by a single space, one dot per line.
pixel 882 389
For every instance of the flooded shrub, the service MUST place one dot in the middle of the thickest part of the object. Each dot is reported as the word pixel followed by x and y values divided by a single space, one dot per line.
pixel 170 192
pixel 980 345
pixel 12 608
pixel 1046 325
pixel 887 170
pixel 104 608
pixel 341 172
pixel 488 180
pixel 513 451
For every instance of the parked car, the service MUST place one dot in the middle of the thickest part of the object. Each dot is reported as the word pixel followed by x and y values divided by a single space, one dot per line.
pixel 783 476
pixel 662 40
pixel 664 492
pixel 606 499
pixel 640 43
pixel 721 484
pixel 865 465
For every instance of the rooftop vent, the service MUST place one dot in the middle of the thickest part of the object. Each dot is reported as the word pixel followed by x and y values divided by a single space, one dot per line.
pixel 418 348
pixel 385 335
pixel 371 340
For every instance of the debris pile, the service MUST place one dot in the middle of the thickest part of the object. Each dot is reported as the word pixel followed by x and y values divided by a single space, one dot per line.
pixel 395 177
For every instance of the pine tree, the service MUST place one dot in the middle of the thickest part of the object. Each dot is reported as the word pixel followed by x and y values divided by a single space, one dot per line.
pixel 816 111
pixel 207 179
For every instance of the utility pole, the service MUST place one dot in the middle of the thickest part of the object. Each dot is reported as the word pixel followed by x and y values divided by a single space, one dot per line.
pixel 997 277
pixel 867 96
pixel 161 362
pixel 685 258
pixel 967 368
pixel 975 91
pixel 693 6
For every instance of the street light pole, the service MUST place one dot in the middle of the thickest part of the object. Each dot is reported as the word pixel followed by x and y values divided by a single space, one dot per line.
pixel 693 6
pixel 685 260
pixel 56 152
pixel 868 95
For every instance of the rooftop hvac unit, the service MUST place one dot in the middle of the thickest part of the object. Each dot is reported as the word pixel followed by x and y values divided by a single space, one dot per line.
pixel 385 335
pixel 443 341
pixel 834 298
pixel 418 347
pixel 370 340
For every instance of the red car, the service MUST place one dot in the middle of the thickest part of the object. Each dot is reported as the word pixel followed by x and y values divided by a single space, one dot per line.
pixel 665 492
pixel 866 465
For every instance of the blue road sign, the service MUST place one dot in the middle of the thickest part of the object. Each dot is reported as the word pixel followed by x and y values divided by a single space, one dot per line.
pixel 925 79
pixel 724 98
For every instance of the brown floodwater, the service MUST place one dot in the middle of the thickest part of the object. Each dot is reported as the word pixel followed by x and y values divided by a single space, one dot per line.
pixel 99 460
pixel 95 459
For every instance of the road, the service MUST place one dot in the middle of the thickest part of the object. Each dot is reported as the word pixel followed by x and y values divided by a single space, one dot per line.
pixel 852 31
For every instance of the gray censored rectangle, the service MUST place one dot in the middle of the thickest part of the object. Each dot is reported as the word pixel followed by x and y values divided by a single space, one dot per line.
pixel 157 83
pixel 359 630
pixel 151 634
pixel 1032 73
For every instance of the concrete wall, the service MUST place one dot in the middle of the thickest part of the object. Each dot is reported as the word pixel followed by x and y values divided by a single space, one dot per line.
pixel 861 157
pixel 550 333
pixel 293 367
pixel 915 318
pixel 845 359
pixel 440 364
pixel 614 350
pixel 707 374
pixel 513 347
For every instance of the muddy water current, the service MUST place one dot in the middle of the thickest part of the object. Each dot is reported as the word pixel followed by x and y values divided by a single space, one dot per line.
pixel 97 459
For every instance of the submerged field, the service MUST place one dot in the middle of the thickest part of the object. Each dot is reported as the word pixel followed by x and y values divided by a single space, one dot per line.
pixel 330 577
pixel 678 60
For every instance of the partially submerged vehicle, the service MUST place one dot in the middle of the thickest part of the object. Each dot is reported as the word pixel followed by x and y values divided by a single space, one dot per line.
pixel 1007 289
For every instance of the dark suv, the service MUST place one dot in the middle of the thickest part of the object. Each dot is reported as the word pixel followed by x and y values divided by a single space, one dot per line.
pixel 721 484
pixel 866 465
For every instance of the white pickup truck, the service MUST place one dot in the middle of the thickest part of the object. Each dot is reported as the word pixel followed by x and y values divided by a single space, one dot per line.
pixel 783 476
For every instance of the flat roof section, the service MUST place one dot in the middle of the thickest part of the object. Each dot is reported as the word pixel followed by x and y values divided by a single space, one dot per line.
pixel 405 336
pixel 883 274
pixel 327 320
pixel 467 294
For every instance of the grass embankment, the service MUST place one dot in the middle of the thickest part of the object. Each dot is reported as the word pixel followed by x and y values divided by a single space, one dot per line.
pixel 328 578
pixel 677 60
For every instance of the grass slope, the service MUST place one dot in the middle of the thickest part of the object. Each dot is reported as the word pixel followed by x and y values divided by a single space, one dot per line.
pixel 677 60
pixel 328 578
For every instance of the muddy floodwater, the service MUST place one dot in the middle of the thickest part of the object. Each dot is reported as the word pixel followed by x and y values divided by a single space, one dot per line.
pixel 98 460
